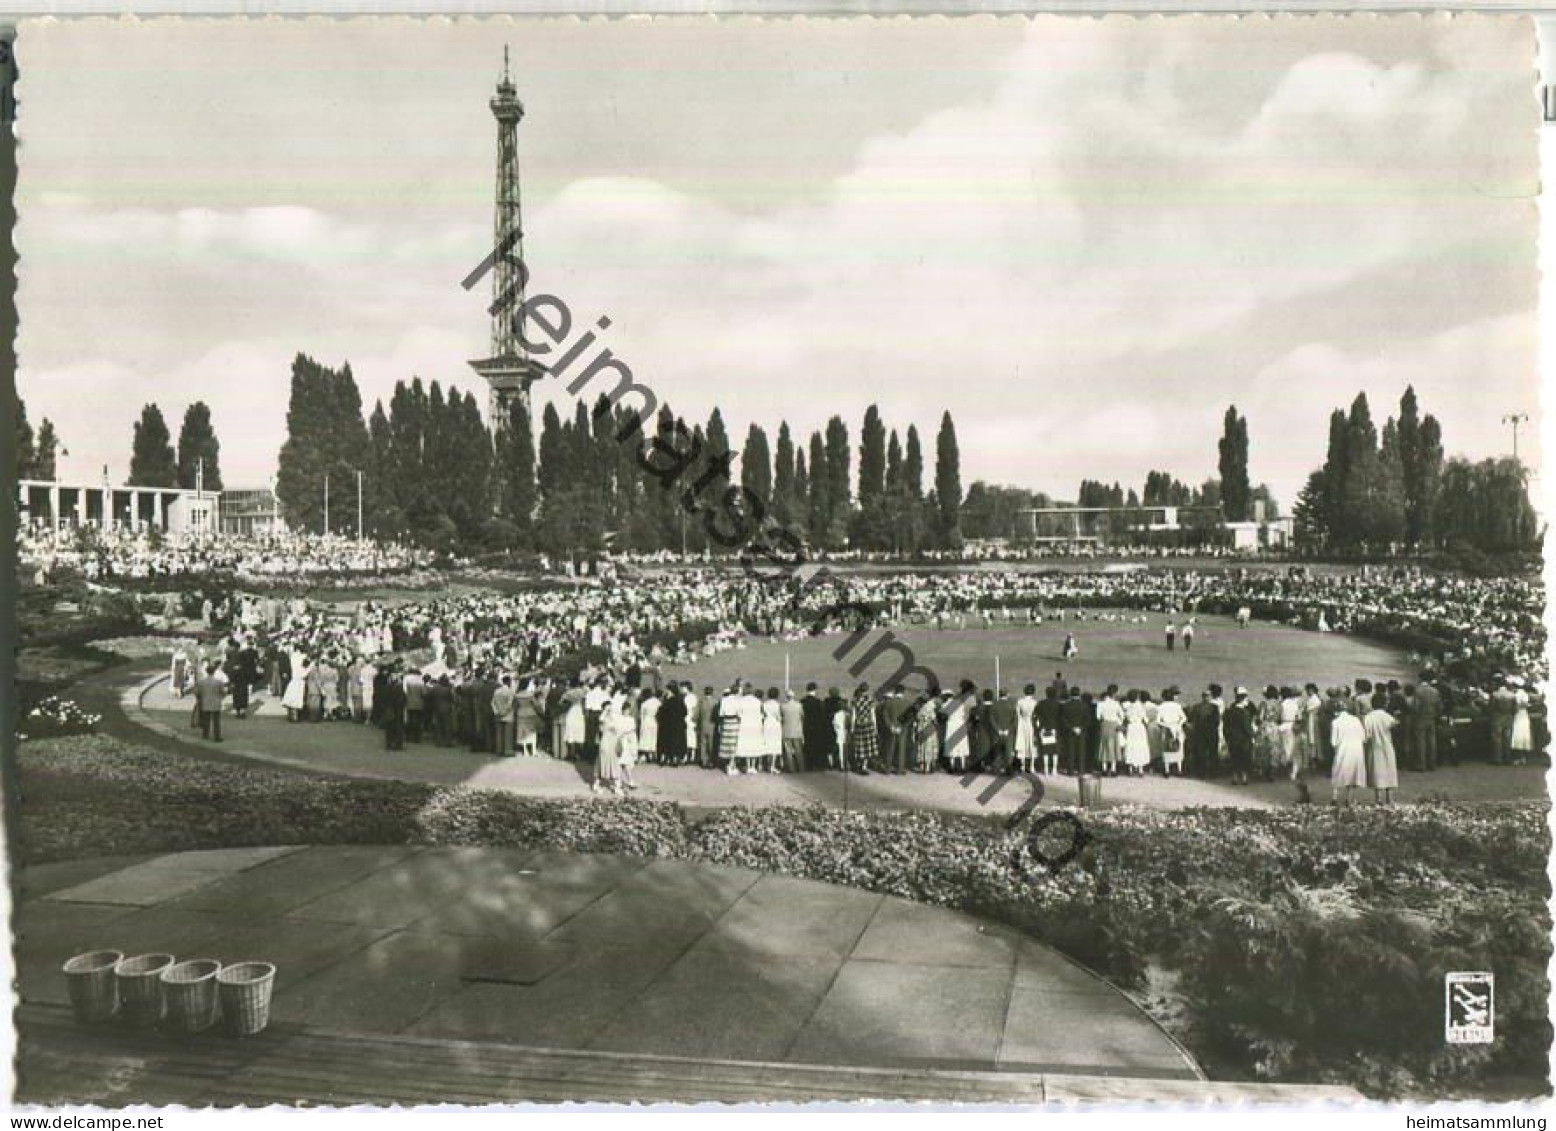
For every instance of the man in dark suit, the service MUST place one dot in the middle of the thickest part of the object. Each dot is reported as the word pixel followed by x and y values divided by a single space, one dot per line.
pixel 439 701
pixel 1047 724
pixel 896 711
pixel 1241 723
pixel 1428 709
pixel 482 729
pixel 392 701
pixel 1073 722
pixel 1204 737
pixel 1002 715
pixel 672 726
pixel 208 701
pixel 817 727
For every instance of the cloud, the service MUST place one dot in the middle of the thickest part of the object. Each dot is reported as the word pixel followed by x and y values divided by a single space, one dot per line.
pixel 1061 259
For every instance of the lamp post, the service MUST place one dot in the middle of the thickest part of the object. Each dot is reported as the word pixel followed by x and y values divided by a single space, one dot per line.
pixel 326 503
pixel 359 504
pixel 1515 419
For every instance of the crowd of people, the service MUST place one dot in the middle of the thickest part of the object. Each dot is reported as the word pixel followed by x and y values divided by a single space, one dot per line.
pixel 128 553
pixel 588 672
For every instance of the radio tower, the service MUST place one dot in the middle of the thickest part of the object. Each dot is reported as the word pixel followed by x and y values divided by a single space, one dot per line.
pixel 509 371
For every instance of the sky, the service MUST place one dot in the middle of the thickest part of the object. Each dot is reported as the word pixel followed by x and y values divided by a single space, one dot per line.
pixel 1083 237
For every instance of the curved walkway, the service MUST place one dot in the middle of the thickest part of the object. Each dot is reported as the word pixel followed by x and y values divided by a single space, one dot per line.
pixel 342 749
pixel 608 954
pixel 358 751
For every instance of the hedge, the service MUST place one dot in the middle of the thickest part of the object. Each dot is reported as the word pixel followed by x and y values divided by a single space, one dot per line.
pixel 1303 944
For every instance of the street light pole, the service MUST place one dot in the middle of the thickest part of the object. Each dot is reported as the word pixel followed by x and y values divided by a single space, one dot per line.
pixel 359 504
pixel 326 502
pixel 1515 419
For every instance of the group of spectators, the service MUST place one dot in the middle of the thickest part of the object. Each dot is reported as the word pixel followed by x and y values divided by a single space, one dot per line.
pixel 127 553
pixel 587 672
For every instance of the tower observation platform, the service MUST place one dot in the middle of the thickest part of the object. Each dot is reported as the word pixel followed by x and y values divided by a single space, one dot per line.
pixel 509 371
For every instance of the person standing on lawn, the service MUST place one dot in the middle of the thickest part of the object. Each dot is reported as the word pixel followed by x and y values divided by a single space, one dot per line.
pixel 208 699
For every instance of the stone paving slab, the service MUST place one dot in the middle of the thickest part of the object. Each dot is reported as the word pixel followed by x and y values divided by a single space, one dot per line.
pixel 298 948
pixel 789 916
pixel 614 955
pixel 886 1013
pixel 282 885
pixel 715 1001
pixel 907 932
pixel 167 877
pixel 1039 1036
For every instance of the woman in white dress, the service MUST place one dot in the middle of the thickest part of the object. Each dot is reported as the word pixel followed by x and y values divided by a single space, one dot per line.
pixel 958 724
pixel 1382 765
pixel 648 727
pixel 179 672
pixel 772 729
pixel 1026 734
pixel 691 724
pixel 1349 739
pixel 1170 720
pixel 367 675
pixel 627 748
pixel 748 741
pixel 296 695
pixel 1137 739
pixel 839 753
pixel 607 767
pixel 575 730
pixel 1521 740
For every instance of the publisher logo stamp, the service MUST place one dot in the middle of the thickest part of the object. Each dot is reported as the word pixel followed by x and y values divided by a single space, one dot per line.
pixel 1470 1004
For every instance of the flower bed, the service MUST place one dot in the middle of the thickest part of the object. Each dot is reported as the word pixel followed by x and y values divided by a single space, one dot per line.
pixel 144 647
pixel 54 717
pixel 1302 944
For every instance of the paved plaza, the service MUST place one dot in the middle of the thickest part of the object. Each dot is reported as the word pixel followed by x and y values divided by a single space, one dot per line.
pixel 609 955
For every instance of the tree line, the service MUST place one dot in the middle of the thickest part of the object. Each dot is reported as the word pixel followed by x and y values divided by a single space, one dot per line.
pixel 36 453
pixel 433 474
pixel 1397 488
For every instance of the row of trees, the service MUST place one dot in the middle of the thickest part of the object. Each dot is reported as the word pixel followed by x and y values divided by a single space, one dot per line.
pixel 433 474
pixel 36 455
pixel 1396 487
pixel 197 462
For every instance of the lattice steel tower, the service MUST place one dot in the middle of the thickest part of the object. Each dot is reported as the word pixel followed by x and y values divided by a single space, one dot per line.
pixel 509 371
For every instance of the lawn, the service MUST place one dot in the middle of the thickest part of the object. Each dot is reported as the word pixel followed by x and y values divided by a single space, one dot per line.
pixel 1132 655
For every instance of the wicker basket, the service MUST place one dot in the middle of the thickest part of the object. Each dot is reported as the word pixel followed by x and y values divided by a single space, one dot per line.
pixel 141 999
pixel 190 988
pixel 94 991
pixel 245 996
pixel 1091 792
